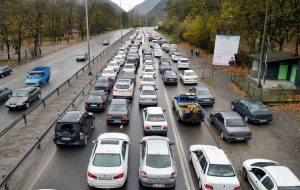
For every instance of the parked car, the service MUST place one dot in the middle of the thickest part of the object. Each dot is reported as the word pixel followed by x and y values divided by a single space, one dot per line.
pixel 97 100
pixel 5 93
pixel 5 70
pixel 23 97
pixel 183 63
pixel 157 167
pixel 114 65
pixel 148 96
pixel 105 42
pixel 128 75
pixel 118 111
pixel 154 121
pixel 149 71
pixel 231 126
pixel 169 77
pixel 81 56
pixel 188 77
pixel 108 165
pixel 253 111
pixel 213 168
pixel 104 83
pixel 74 128
pixel 147 80
pixel 204 95
pixel 164 66
pixel 109 72
pixel 123 88
pixel 263 174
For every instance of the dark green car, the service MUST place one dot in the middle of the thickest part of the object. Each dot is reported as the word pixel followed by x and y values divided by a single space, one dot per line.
pixel 5 93
pixel 253 111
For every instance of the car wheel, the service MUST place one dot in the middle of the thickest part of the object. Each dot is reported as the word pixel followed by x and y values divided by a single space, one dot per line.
pixel 246 119
pixel 93 125
pixel 232 107
pixel 244 174
pixel 222 136
pixel 178 118
pixel 2 76
pixel 39 96
pixel 84 143
pixel 10 72
pixel 27 105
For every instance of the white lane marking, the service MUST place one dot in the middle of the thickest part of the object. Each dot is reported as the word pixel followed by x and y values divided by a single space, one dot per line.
pixel 54 72
pixel 183 161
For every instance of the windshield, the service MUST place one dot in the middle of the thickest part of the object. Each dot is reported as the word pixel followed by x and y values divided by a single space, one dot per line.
pixel 107 160
pixel 148 79
pixel 256 107
pixel 122 86
pixel 148 63
pixel 220 170
pixel 184 61
pixel 102 80
pixel 34 75
pixel 148 92
pixel 21 93
pixel 129 66
pixel 117 107
pixel 108 72
pixel 156 117
pixel 158 161
pixel 112 65
pixel 170 74
pixel 235 123
pixel 203 92
pixel 95 98
pixel 128 74
pixel 178 54
pixel 190 73
pixel 148 57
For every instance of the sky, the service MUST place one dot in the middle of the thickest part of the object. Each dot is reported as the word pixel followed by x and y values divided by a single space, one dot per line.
pixel 127 4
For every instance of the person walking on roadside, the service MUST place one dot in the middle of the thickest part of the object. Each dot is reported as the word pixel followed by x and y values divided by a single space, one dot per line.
pixel 192 52
pixel 197 52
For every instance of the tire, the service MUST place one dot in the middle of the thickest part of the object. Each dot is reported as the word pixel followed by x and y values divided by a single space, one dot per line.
pixel 84 143
pixel 244 174
pixel 2 76
pixel 93 125
pixel 232 107
pixel 10 72
pixel 247 119
pixel 222 136
pixel 27 105
pixel 39 96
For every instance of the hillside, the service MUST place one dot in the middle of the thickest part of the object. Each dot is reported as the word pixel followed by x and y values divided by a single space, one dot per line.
pixel 159 10
pixel 145 7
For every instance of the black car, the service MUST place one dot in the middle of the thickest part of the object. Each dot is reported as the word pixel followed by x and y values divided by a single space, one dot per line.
pixel 5 93
pixel 105 42
pixel 5 70
pixel 204 95
pixel 96 100
pixel 74 128
pixel 128 75
pixel 118 111
pixel 104 83
pixel 252 110
pixel 23 97
pixel 164 66
pixel 169 77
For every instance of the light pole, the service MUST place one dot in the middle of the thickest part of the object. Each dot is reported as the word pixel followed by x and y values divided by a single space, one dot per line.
pixel 121 23
pixel 88 37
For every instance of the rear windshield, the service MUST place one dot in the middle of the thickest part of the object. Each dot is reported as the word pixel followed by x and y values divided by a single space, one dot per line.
pixel 156 117
pixel 184 61
pixel 235 123
pixel 118 107
pixel 190 74
pixel 129 66
pixel 108 72
pixel 122 86
pixel 65 127
pixel 148 92
pixel 220 170
pixel 148 70
pixel 107 160
pixel 95 98
pixel 148 79
pixel 203 92
pixel 158 161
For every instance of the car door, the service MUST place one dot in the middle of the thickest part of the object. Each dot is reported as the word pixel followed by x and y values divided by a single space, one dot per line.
pixel 142 153
pixel 125 152
pixel 196 155
pixel 219 122
pixel 244 109
pixel 2 95
pixel 203 165
pixel 255 177
pixel 31 95
pixel 267 183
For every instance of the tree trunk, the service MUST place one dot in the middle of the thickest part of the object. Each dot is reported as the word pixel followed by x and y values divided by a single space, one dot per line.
pixel 7 49
pixel 280 45
pixel 297 45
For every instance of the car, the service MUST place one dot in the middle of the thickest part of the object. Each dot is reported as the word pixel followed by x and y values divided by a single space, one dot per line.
pixel 213 168
pixel 157 167
pixel 231 126
pixel 5 93
pixel 148 63
pixel 129 67
pixel 119 59
pixel 148 57
pixel 148 96
pixel 188 77
pixel 252 110
pixel 109 72
pixel 74 128
pixel 149 71
pixel 147 52
pixel 165 46
pixel 122 53
pixel 137 58
pixel 129 43
pixel 169 77
pixel 105 42
pixel 108 165
pixel 172 51
pixel 97 100
pixel 114 65
pixel 128 75
pixel 158 53
pixel 183 63
pixel 132 60
pixel 81 56
pixel 123 88
pixel 164 59
pixel 263 174
pixel 123 49
pixel 147 80
pixel 152 44
pixel 204 95
pixel 104 83
pixel 164 66
pixel 118 112
pixel 176 56
pixel 5 70
pixel 154 121
pixel 23 97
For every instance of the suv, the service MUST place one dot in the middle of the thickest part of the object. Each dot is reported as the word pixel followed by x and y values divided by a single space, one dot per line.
pixel 74 128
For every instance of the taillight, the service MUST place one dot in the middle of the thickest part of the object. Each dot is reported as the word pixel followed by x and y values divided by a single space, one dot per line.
pixel 86 104
pixel 90 175
pixel 154 99
pixel 81 136
pixel 144 174
pixel 237 188
pixel 128 90
pixel 108 117
pixel 173 175
pixel 165 126
pixel 125 117
pixel 121 175
pixel 207 186
pixel 147 127
pixel 101 104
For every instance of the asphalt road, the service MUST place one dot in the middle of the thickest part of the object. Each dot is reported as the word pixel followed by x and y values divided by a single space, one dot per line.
pixel 65 168
pixel 63 65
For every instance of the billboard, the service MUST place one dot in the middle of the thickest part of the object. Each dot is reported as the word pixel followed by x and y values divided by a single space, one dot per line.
pixel 225 48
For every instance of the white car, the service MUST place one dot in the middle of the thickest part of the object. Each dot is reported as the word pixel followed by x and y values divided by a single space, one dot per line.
pixel 114 65
pixel 213 168
pixel 188 77
pixel 164 46
pixel 176 56
pixel 123 88
pixel 158 53
pixel 148 63
pixel 183 63
pixel 265 174
pixel 123 49
pixel 109 72
pixel 154 121
pixel 122 53
pixel 148 96
pixel 108 165
pixel 148 70
pixel 129 67
pixel 120 59
pixel 147 80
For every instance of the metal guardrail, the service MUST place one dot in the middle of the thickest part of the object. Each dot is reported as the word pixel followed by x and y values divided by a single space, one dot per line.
pixel 4 181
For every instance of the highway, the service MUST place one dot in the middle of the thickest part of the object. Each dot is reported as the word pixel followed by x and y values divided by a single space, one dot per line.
pixel 63 65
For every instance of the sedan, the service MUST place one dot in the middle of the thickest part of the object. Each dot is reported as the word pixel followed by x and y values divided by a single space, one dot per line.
pixel 5 93
pixel 96 100
pixel 164 66
pixel 231 126
pixel 169 77
pixel 128 75
pixel 123 89
pixel 154 121
pixel 23 97
pixel 118 111
pixel 114 65
pixel 105 42
pixel 204 95
pixel 119 59
pixel 252 110
pixel 122 53
pixel 108 165
pixel 176 56
pixel 5 70
pixel 157 165
pixel 164 59
pixel 109 72
pixel 104 83
pixel 129 67
pixel 188 77
pixel 148 63
pixel 147 80
pixel 81 57
pixel 148 57
pixel 148 96
pixel 149 71
pixel 158 53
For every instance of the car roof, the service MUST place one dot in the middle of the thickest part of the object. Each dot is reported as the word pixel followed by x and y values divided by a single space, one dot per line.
pixel 148 76
pixel 27 88
pixel 282 175
pixel 158 146
pixel 215 155
pixel 184 58
pixel 119 101
pixel 154 110
pixel 189 71
pixel 97 92
pixel 108 68
pixel 71 116
pixel 148 88
pixel 230 115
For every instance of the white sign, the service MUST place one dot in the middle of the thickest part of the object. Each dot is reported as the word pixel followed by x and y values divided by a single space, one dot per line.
pixel 225 48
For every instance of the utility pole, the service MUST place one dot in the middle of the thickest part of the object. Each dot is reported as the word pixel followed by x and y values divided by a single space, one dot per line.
pixel 88 37
pixel 262 46
pixel 121 23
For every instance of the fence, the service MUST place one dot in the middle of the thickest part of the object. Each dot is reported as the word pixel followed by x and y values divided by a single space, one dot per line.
pixel 278 95
pixel 4 181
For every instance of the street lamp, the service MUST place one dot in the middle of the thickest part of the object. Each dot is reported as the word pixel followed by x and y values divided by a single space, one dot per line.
pixel 88 37
pixel 121 23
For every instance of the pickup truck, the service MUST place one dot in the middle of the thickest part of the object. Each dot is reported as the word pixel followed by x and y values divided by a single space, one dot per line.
pixel 187 108
pixel 38 76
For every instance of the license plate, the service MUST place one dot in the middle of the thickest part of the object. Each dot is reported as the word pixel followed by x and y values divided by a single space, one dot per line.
pixel 66 139
pixel 117 121
pixel 93 105
pixel 262 121
pixel 207 100
pixel 239 138
pixel 104 178
pixel 12 106
pixel 158 185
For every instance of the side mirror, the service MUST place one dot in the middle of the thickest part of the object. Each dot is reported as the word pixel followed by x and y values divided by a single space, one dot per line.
pixel 140 142
pixel 175 98
pixel 95 141
pixel 171 143
pixel 156 88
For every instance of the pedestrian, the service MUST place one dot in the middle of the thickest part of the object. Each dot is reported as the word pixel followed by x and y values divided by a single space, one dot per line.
pixel 197 52
pixel 192 52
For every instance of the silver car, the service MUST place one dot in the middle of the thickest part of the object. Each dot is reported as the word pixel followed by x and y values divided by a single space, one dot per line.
pixel 148 96
pixel 157 166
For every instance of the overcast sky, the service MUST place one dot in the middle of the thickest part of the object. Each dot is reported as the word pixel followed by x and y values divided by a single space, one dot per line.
pixel 127 4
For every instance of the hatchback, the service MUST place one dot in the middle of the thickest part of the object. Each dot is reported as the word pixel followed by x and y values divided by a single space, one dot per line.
pixel 123 89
